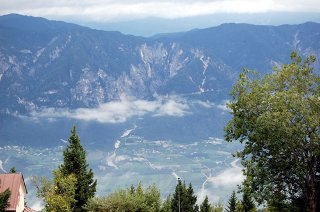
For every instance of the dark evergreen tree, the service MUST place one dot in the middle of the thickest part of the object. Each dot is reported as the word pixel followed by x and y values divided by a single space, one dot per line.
pixel 176 202
pixel 232 203
pixel 184 198
pixel 4 199
pixel 247 202
pixel 196 208
pixel 205 206
pixel 13 170
pixel 75 163
pixel 191 199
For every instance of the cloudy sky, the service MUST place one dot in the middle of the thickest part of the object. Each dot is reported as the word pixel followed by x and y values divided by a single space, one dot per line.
pixel 131 16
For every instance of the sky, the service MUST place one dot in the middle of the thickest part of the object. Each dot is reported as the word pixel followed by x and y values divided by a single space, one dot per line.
pixel 147 17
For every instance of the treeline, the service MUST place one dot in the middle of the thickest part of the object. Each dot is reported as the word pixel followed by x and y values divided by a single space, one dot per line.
pixel 149 200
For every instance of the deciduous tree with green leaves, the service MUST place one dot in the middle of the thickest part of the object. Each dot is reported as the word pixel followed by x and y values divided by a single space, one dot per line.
pixel 4 199
pixel 58 194
pixel 74 163
pixel 132 199
pixel 277 118
pixel 166 205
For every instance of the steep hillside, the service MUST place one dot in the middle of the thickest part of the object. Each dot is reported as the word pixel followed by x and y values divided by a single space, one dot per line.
pixel 55 64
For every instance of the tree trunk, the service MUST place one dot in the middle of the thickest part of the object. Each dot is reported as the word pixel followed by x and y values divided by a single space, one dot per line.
pixel 311 186
pixel 311 197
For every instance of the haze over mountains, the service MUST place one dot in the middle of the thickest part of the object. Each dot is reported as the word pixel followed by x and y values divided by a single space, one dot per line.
pixel 153 95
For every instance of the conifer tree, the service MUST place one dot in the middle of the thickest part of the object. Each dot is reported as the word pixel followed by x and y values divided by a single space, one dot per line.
pixel 176 202
pixel 232 203
pixel 75 163
pixel 184 198
pixel 13 170
pixel 191 199
pixel 247 202
pixel 205 206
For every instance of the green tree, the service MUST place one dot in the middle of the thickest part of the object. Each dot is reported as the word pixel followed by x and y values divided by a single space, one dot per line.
pixel 74 163
pixel 232 203
pixel 166 206
pixel 277 118
pixel 191 200
pixel 205 205
pixel 4 199
pixel 183 198
pixel 279 203
pixel 13 170
pixel 217 207
pixel 58 194
pixel 176 201
pixel 130 200
pixel 247 202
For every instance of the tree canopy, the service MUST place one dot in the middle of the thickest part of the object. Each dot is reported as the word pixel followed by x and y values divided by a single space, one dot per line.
pixel 277 118
pixel 58 194
pixel 132 199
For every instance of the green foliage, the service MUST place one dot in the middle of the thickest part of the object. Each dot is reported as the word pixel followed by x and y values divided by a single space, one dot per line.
pixel 75 164
pixel 217 207
pixel 277 118
pixel 247 202
pixel 205 205
pixel 59 194
pixel 130 200
pixel 4 199
pixel 184 198
pixel 278 203
pixel 13 170
pixel 232 203
pixel 166 206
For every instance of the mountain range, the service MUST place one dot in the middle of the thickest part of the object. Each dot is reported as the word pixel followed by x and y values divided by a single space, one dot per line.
pixel 55 64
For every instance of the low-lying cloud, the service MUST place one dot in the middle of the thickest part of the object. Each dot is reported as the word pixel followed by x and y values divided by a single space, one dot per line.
pixel 122 110
pixel 230 177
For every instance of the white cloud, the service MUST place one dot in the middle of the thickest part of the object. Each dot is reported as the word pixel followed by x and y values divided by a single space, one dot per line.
pixel 122 110
pixel 230 177
pixel 1 167
pixel 111 10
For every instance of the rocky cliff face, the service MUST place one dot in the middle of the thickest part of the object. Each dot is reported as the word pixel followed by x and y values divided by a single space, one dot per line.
pixel 54 64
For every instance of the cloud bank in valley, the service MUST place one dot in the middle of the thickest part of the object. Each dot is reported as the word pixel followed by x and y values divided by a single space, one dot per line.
pixel 125 108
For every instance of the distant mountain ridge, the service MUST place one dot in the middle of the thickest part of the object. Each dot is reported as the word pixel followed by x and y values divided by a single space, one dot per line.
pixel 56 64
